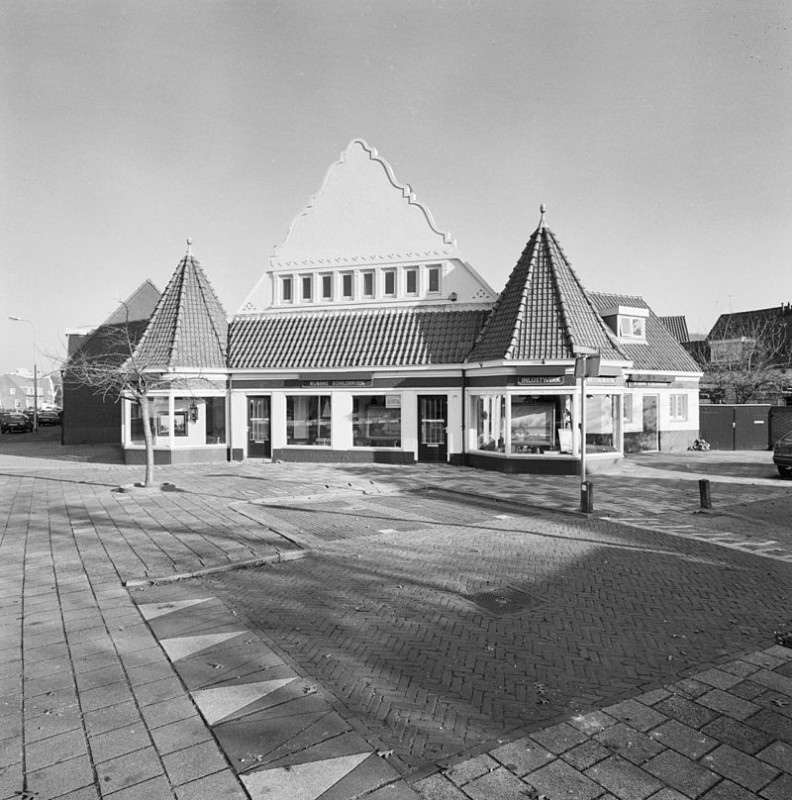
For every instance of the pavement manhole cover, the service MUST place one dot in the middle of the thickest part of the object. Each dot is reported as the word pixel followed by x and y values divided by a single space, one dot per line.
pixel 505 600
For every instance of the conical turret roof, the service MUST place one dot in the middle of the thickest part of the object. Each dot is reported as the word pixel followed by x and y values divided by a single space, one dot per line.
pixel 189 328
pixel 544 312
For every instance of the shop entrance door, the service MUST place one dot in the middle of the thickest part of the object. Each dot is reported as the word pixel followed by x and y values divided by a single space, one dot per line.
pixel 649 439
pixel 259 443
pixel 432 424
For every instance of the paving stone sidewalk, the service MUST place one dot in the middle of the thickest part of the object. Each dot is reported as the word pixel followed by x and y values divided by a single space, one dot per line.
pixel 91 704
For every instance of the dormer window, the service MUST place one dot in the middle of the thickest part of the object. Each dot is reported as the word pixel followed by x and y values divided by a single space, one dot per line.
pixel 632 328
pixel 412 281
pixel 434 280
pixel 368 284
pixel 627 322
pixel 390 283
pixel 346 286
pixel 327 287
pixel 307 288
pixel 286 289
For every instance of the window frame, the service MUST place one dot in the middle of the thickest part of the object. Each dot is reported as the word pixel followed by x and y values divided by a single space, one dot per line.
pixel 411 276
pixel 389 276
pixel 287 289
pixel 327 287
pixel 626 324
pixel 678 407
pixel 434 275
pixel 368 276
pixel 348 278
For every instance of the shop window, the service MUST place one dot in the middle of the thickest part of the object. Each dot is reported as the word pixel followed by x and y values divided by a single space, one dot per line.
pixel 390 283
pixel 307 287
pixel 308 420
pixel 327 287
pixel 215 420
pixel 136 435
pixel 678 406
pixel 434 280
pixel 600 423
pixel 490 414
pixel 346 286
pixel 286 289
pixel 412 281
pixel 368 284
pixel 532 425
pixel 627 408
pixel 376 421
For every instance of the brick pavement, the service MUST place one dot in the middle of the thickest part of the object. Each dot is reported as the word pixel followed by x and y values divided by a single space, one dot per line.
pixel 91 704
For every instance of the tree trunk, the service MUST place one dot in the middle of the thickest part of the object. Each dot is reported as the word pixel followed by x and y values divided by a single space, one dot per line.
pixel 145 407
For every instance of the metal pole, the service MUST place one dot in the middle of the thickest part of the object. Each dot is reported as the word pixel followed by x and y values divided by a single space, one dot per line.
pixel 35 372
pixel 582 421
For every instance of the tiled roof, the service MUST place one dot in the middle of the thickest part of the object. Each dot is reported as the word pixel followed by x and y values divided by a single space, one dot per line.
pixel 677 327
pixel 189 327
pixel 661 351
pixel 544 312
pixel 354 338
pixel 755 324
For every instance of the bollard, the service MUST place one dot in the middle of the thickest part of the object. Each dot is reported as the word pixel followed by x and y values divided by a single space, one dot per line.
pixel 704 493
pixel 587 497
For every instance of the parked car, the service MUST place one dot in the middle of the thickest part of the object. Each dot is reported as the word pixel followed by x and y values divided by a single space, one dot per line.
pixel 15 422
pixel 49 416
pixel 782 456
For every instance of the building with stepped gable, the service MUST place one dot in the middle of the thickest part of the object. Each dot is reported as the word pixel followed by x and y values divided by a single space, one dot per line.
pixel 369 338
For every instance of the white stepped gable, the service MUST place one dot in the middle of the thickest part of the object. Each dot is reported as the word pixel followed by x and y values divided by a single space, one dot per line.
pixel 362 214
pixel 363 220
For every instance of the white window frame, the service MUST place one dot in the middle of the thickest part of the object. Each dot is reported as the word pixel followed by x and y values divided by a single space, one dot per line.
pixel 627 325
pixel 310 284
pixel 678 407
pixel 370 275
pixel 287 280
pixel 434 270
pixel 326 277
pixel 389 273
pixel 350 276
pixel 408 273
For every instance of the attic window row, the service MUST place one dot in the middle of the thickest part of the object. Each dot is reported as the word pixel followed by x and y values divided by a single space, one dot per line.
pixel 366 284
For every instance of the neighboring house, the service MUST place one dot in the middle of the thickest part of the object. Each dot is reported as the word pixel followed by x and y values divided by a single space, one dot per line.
pixel 677 327
pixel 89 417
pixel 18 390
pixel 369 338
pixel 749 357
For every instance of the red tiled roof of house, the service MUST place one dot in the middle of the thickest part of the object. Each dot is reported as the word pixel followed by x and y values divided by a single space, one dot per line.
pixel 353 338
pixel 189 328
pixel 661 351
pixel 544 312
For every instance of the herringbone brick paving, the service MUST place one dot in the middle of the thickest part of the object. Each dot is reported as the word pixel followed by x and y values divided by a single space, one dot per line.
pixel 389 629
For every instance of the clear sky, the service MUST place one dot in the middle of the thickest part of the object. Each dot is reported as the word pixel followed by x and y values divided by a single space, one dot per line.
pixel 657 133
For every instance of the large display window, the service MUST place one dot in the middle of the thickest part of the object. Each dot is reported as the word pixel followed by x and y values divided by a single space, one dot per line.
pixel 376 421
pixel 308 420
pixel 601 422
pixel 490 414
pixel 532 425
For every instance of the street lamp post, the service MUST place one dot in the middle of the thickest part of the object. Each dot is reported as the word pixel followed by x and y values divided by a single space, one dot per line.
pixel 35 372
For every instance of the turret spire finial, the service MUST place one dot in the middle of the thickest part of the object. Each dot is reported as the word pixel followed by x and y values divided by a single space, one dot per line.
pixel 542 209
pixel 189 246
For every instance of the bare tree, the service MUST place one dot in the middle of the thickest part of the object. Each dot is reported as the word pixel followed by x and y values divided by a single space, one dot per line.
pixel 109 366
pixel 750 356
